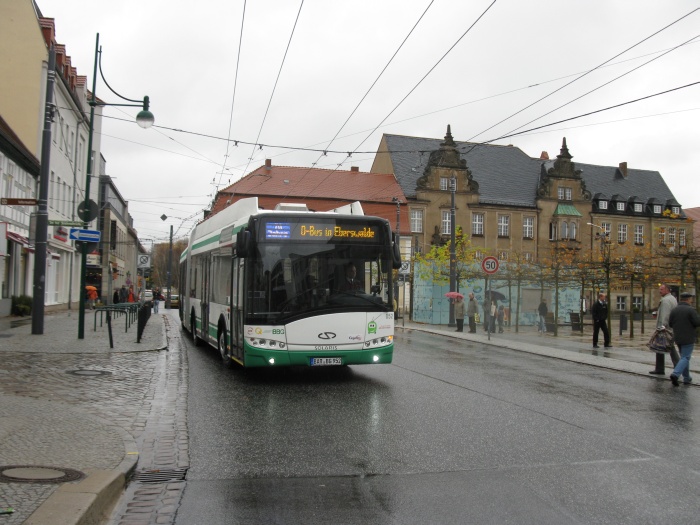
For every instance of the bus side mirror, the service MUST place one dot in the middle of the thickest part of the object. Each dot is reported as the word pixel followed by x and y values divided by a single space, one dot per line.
pixel 395 252
pixel 243 243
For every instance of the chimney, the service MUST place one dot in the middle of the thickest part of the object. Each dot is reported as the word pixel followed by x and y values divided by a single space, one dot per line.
pixel 544 156
pixel 268 164
pixel 355 168
pixel 623 169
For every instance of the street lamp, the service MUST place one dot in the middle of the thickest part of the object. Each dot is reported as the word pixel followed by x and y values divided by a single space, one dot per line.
pixel 453 252
pixel 604 236
pixel 144 119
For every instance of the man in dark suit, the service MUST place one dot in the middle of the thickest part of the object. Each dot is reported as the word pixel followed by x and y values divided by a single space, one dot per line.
pixel 599 311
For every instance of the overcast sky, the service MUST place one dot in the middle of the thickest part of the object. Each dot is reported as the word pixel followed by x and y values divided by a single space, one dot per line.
pixel 324 55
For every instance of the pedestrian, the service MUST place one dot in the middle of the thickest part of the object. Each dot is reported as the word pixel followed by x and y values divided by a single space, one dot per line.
pixel 91 297
pixel 684 320
pixel 487 314
pixel 500 317
pixel 156 300
pixel 542 311
pixel 494 313
pixel 472 311
pixel 115 297
pixel 130 298
pixel 599 311
pixel 668 302
pixel 459 310
pixel 123 294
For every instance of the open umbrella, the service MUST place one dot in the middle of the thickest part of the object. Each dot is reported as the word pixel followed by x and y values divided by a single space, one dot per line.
pixel 495 296
pixel 90 287
pixel 454 295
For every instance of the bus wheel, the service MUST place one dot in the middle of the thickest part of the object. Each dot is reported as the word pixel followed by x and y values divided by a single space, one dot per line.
pixel 223 351
pixel 193 326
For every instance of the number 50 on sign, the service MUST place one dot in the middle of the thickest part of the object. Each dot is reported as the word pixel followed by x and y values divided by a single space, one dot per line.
pixel 489 265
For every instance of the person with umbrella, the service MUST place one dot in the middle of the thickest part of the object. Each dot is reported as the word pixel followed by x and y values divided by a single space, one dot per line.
pixel 459 308
pixel 91 296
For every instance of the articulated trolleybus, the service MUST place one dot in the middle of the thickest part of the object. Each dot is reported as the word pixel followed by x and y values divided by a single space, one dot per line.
pixel 290 287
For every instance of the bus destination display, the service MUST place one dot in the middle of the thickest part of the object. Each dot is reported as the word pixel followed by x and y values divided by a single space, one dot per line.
pixel 303 231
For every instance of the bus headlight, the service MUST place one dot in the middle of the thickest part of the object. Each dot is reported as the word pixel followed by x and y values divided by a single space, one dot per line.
pixel 271 361
pixel 375 358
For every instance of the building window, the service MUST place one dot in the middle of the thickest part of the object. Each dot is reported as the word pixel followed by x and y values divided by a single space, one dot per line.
pixel 572 231
pixel 657 209
pixel 621 303
pixel 681 237
pixel 675 210
pixel 444 183
pixel 607 228
pixel 477 224
pixel 602 205
pixel 637 207
pixel 417 221
pixel 503 256
pixel 564 194
pixel 638 234
pixel 672 236
pixel 552 231
pixel 621 233
pixel 620 206
pixel 503 225
pixel 564 230
pixel 478 255
pixel 528 257
pixel 528 227
pixel 662 236
pixel 446 223
pixel 637 302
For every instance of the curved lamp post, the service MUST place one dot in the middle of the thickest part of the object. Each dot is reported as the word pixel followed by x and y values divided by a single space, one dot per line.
pixel 604 237
pixel 144 119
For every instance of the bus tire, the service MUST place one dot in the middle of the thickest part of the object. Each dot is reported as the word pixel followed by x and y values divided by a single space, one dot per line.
pixel 193 327
pixel 223 351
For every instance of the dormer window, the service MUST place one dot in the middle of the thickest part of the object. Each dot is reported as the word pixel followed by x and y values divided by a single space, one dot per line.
pixel 675 210
pixel 620 206
pixel 564 194
pixel 602 205
pixel 637 207
pixel 657 209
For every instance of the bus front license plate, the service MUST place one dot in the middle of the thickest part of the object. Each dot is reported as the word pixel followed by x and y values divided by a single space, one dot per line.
pixel 326 361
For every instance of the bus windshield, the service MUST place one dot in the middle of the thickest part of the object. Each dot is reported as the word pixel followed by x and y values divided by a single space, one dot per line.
pixel 301 267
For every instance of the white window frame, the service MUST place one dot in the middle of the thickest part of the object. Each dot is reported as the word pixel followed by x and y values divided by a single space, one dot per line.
pixel 504 225
pixel 620 206
pixel 621 233
pixel 639 234
pixel 444 184
pixel 662 236
pixel 681 236
pixel 416 221
pixel 503 255
pixel 602 205
pixel 564 230
pixel 657 209
pixel 672 236
pixel 446 223
pixel 621 303
pixel 675 210
pixel 478 224
pixel 528 227
pixel 638 207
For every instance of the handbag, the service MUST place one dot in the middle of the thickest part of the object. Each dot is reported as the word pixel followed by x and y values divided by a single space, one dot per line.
pixel 661 341
pixel 477 318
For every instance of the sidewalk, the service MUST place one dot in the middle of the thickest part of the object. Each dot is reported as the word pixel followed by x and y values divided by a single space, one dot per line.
pixel 627 354
pixel 47 434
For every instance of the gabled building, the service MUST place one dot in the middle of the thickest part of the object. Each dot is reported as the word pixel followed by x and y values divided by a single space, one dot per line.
pixel 320 190
pixel 511 204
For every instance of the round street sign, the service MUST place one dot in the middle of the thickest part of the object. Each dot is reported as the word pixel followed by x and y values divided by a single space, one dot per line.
pixel 489 264
pixel 90 213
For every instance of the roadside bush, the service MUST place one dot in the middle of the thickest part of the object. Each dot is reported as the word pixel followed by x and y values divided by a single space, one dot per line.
pixel 21 305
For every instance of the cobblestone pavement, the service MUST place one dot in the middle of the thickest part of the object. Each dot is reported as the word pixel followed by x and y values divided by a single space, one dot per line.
pixel 78 404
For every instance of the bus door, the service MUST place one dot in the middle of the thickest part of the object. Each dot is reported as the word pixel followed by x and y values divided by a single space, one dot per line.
pixel 237 308
pixel 206 285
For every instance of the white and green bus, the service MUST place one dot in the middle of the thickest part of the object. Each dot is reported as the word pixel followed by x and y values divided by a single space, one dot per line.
pixel 269 287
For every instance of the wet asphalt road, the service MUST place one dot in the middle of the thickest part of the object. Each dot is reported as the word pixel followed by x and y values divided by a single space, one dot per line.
pixel 448 433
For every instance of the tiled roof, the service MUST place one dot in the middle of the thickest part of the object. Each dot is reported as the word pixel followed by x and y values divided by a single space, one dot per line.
pixel 507 176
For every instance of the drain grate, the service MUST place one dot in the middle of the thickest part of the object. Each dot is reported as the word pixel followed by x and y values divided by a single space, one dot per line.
pixel 160 476
pixel 88 373
pixel 38 474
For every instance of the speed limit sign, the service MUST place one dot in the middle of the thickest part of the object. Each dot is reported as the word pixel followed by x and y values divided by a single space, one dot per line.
pixel 489 265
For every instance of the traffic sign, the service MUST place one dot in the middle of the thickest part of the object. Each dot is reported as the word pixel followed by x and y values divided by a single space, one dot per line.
pixel 489 264
pixel 76 234
pixel 405 268
pixel 65 223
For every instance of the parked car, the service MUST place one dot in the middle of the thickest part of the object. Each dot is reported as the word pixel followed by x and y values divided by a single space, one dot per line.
pixel 174 301
pixel 148 297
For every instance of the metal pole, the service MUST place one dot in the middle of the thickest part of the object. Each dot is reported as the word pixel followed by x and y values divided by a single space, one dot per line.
pixel 453 253
pixel 86 207
pixel 170 267
pixel 42 216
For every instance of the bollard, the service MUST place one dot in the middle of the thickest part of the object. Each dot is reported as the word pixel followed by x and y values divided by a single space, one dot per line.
pixel 623 323
pixel 109 329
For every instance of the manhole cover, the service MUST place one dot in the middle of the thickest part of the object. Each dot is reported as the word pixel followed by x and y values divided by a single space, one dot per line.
pixel 38 474
pixel 88 373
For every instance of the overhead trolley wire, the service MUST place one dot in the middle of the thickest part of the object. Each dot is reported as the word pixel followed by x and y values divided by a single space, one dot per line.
pixel 586 73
